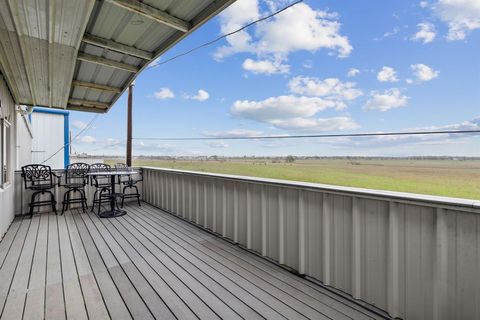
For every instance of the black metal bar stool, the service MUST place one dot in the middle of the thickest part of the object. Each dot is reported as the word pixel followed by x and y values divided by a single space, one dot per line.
pixel 101 183
pixel 129 182
pixel 40 179
pixel 75 181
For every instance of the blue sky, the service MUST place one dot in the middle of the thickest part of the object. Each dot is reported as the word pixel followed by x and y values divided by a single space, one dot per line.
pixel 319 67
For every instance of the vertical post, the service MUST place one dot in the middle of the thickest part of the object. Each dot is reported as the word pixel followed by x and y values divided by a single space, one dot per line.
pixel 129 125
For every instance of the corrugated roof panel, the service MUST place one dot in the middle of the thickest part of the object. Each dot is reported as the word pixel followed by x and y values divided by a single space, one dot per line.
pixel 46 35
pixel 39 54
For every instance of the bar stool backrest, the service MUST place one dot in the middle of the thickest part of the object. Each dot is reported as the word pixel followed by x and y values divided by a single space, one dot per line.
pixel 122 167
pixel 76 173
pixel 99 179
pixel 35 175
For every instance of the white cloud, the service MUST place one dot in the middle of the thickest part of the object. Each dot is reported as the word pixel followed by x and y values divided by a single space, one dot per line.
pixel 202 95
pixel 387 74
pixel 86 140
pixel 308 64
pixel 316 124
pixel 218 144
pixel 233 133
pixel 423 4
pixel 426 32
pixel 353 72
pixel 423 72
pixel 265 66
pixel 387 100
pixel 298 28
pixel 462 16
pixel 164 93
pixel 110 142
pixel 282 107
pixel 330 88
pixel 77 124
pixel 423 139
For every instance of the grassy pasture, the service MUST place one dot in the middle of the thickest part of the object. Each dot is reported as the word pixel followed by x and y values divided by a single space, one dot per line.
pixel 449 178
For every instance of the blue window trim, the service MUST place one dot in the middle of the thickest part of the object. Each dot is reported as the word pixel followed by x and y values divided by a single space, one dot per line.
pixel 66 130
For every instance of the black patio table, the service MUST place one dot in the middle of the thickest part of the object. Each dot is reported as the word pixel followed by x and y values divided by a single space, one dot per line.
pixel 114 210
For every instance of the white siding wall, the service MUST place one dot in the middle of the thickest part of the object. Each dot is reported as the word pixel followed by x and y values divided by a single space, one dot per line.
pixel 7 193
pixel 48 138
pixel 24 142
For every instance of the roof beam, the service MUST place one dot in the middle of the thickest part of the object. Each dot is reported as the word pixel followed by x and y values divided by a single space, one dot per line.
pixel 116 46
pixel 107 62
pixel 95 86
pixel 152 13
pixel 86 109
pixel 88 103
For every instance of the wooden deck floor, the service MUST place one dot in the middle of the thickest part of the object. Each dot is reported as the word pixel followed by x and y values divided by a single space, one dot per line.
pixel 145 265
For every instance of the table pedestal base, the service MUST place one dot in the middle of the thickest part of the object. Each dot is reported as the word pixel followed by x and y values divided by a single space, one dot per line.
pixel 112 213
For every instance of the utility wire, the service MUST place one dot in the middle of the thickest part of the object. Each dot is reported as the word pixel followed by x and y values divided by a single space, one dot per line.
pixel 368 134
pixel 87 127
pixel 206 44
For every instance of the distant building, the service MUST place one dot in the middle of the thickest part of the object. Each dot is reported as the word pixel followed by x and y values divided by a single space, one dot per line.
pixel 41 137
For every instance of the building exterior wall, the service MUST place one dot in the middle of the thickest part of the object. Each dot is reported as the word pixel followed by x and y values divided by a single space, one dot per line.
pixel 7 191
pixel 24 141
pixel 50 133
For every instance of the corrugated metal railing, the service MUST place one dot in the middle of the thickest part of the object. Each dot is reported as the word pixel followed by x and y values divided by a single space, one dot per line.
pixel 414 256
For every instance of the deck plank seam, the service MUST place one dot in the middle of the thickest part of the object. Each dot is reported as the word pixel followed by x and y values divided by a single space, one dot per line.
pixel 76 267
pixel 208 235
pixel 243 278
pixel 121 266
pixel 184 282
pixel 31 266
pixel 296 310
pixel 16 266
pixel 118 262
pixel 106 268
pixel 204 273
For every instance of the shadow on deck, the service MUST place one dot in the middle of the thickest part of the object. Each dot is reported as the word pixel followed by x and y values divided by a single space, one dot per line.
pixel 147 264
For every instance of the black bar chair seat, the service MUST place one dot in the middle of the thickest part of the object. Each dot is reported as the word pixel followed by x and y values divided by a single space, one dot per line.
pixel 129 182
pixel 40 179
pixel 75 181
pixel 103 188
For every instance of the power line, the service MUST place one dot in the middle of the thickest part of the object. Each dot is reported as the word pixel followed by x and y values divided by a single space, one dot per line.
pixel 87 127
pixel 340 135
pixel 206 44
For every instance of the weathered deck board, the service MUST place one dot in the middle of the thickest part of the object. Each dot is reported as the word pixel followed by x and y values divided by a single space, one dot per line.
pixel 147 264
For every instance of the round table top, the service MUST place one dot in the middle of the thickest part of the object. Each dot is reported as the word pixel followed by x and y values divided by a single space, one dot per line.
pixel 111 173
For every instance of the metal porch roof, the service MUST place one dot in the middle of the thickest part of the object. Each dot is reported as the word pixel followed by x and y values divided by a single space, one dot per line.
pixel 82 54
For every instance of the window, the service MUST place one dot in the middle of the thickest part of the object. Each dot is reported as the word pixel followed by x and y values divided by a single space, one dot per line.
pixel 5 140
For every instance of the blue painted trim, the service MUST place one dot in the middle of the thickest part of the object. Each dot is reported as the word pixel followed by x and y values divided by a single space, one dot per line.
pixel 51 111
pixel 66 141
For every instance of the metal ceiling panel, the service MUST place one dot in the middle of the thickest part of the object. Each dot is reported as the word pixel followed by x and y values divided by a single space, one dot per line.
pixel 41 48
pixel 39 41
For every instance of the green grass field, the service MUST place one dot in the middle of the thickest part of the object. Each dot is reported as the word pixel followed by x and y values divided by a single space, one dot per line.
pixel 459 179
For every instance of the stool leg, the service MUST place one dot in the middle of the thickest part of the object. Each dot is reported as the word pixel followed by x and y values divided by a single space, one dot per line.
pixel 138 195
pixel 64 204
pixel 84 198
pixel 94 199
pixel 53 201
pixel 32 201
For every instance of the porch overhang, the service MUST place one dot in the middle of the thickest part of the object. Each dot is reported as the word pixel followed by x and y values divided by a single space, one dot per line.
pixel 82 55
